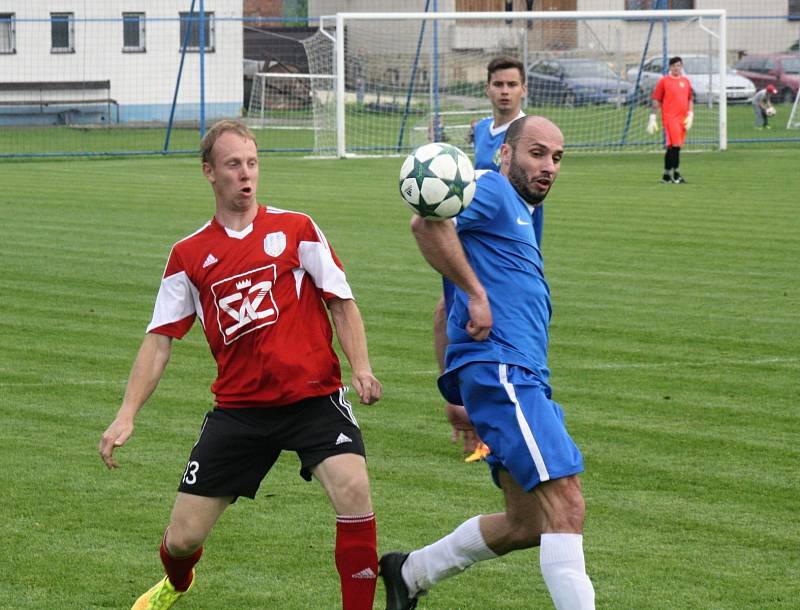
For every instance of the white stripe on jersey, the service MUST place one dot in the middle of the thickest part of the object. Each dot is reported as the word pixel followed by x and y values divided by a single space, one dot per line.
pixel 316 259
pixel 177 299
pixel 524 428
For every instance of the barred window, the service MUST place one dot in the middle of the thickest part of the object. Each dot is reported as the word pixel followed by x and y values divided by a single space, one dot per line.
pixel 193 19
pixel 133 33
pixel 8 43
pixel 62 32
pixel 793 10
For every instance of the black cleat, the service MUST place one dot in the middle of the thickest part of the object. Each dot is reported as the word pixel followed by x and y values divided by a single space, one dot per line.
pixel 678 179
pixel 666 179
pixel 397 596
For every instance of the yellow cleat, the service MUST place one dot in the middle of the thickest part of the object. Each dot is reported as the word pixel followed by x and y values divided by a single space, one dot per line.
pixel 480 453
pixel 161 597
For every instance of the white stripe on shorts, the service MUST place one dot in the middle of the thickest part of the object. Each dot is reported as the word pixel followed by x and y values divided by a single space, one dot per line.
pixel 344 406
pixel 527 434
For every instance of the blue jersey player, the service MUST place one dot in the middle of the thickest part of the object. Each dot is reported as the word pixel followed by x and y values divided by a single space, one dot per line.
pixel 506 90
pixel 496 366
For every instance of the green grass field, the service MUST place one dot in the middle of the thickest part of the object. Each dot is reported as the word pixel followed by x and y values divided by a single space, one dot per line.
pixel 674 354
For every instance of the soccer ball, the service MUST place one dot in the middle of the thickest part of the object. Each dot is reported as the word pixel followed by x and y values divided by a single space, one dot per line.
pixel 437 181
pixel 771 111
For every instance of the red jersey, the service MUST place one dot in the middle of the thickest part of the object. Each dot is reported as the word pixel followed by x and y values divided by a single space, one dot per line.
pixel 259 295
pixel 674 93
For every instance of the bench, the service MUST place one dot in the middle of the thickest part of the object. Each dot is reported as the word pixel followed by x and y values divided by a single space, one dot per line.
pixel 63 98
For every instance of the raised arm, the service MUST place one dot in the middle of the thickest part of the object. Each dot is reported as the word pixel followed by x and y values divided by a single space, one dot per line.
pixel 439 244
pixel 353 339
pixel 145 374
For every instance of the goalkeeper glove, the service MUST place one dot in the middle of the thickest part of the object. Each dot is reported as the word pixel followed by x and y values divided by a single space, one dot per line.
pixel 652 125
pixel 687 122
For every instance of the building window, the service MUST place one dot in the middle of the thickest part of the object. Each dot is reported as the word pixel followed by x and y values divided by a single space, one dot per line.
pixel 62 32
pixel 794 10
pixel 7 30
pixel 648 5
pixel 133 33
pixel 193 19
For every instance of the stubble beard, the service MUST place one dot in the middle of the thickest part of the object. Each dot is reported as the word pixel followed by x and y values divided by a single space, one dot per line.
pixel 520 182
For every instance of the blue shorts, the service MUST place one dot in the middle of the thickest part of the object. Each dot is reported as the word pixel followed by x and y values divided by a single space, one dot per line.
pixel 512 412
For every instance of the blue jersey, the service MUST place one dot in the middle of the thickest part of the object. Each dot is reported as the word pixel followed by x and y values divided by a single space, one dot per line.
pixel 487 144
pixel 487 141
pixel 497 233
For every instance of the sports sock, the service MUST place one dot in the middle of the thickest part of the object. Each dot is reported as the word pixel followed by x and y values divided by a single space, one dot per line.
pixel 667 161
pixel 564 572
pixel 357 560
pixel 447 556
pixel 179 569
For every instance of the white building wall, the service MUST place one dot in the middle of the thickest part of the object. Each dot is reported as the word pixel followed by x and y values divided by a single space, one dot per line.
pixel 142 82
pixel 765 30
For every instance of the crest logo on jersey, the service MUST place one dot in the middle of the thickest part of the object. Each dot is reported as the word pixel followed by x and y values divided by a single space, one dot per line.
pixel 496 157
pixel 244 302
pixel 275 243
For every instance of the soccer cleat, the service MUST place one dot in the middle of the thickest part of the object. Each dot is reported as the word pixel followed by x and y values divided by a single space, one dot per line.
pixel 678 179
pixel 665 179
pixel 397 595
pixel 480 453
pixel 161 597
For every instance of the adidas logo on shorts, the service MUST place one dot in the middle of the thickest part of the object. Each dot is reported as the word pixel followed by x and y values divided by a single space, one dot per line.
pixel 343 438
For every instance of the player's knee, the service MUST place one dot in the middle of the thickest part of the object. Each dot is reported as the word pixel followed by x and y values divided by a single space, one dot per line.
pixel 183 541
pixel 351 496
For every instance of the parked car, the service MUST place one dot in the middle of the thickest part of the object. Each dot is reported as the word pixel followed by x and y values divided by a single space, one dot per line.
pixel 702 72
pixel 575 82
pixel 781 70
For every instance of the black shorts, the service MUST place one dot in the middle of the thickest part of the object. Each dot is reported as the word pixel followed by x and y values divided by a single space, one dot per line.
pixel 237 447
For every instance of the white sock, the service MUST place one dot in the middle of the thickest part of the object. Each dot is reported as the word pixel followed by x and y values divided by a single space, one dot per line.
pixel 447 556
pixel 564 571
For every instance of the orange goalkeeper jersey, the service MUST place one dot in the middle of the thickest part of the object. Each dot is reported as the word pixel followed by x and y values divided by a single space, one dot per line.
pixel 675 94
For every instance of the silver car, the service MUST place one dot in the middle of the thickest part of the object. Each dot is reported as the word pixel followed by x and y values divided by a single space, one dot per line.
pixel 703 72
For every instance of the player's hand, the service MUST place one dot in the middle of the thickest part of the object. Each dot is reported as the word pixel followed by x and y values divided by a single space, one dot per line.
pixel 462 427
pixel 652 124
pixel 480 318
pixel 115 436
pixel 367 386
pixel 687 122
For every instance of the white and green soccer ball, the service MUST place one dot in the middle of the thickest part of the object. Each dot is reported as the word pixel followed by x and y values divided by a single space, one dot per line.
pixel 437 181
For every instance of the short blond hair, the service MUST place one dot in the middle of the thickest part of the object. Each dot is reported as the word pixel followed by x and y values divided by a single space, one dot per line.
pixel 217 129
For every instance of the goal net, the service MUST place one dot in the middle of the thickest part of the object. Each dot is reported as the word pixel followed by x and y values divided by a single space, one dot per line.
pixel 403 79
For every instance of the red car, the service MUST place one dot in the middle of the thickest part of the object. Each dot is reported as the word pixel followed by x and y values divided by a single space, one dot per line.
pixel 781 70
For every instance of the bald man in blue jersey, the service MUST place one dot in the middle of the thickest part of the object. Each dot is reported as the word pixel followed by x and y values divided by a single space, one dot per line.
pixel 496 366
pixel 506 89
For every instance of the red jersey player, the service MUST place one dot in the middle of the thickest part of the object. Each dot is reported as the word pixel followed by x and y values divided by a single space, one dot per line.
pixel 259 280
pixel 673 96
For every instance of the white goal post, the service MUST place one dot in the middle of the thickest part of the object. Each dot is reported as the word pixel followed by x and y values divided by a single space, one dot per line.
pixel 794 121
pixel 402 79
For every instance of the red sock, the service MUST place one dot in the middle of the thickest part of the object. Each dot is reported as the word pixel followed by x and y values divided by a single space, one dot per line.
pixel 179 569
pixel 357 560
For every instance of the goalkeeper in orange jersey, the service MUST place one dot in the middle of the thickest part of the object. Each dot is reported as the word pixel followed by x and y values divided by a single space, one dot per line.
pixel 673 97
